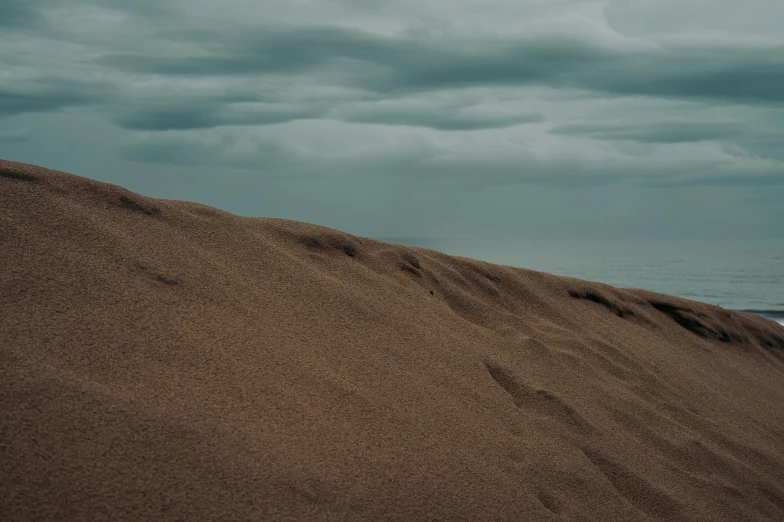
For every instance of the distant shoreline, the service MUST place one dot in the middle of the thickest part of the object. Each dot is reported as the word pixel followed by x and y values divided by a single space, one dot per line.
pixel 770 314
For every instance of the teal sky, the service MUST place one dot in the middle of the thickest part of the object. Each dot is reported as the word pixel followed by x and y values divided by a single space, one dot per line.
pixel 477 118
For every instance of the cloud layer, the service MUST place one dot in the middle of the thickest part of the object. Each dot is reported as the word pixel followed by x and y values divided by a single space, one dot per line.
pixel 461 96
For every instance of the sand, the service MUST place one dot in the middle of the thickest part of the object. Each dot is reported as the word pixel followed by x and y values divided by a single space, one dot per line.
pixel 164 360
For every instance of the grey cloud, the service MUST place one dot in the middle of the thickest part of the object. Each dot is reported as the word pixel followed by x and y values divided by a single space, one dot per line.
pixel 365 5
pixel 446 119
pixel 570 174
pixel 48 96
pixel 547 61
pixel 383 64
pixel 202 115
pixel 673 131
pixel 752 75
pixel 465 172
pixel 270 50
pixel 169 117
pixel 211 111
pixel 146 8
pixel 773 178
pixel 171 153
pixel 180 150
pixel 748 76
pixel 18 13
pixel 15 136
pixel 643 17
pixel 762 144
pixel 26 12
pixel 396 65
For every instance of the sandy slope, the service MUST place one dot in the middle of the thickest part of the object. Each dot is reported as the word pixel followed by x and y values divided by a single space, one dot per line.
pixel 166 360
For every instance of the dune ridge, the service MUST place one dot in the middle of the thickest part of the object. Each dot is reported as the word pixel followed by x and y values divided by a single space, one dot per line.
pixel 166 360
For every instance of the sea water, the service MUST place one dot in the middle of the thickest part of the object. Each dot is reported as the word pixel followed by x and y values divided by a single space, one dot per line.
pixel 738 275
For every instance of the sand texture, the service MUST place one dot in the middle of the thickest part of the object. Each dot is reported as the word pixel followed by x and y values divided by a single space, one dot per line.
pixel 164 360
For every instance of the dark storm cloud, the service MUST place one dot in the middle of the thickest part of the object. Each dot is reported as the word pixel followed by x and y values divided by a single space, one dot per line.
pixel 269 50
pixel 18 13
pixel 50 96
pixel 379 63
pixel 398 65
pixel 753 75
pixel 169 117
pixel 676 131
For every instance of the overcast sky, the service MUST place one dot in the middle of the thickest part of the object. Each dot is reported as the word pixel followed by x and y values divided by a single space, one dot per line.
pixel 417 118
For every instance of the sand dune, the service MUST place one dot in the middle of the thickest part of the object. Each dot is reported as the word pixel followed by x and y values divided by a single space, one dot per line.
pixel 163 360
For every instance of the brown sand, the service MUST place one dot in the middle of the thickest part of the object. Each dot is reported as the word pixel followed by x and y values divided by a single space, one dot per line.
pixel 166 360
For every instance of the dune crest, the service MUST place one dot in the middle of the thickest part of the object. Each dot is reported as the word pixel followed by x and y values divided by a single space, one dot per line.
pixel 166 360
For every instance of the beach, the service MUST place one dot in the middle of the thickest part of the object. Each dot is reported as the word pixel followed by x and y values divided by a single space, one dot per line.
pixel 166 360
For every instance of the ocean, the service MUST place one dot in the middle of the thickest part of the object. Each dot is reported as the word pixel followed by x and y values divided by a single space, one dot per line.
pixel 738 275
